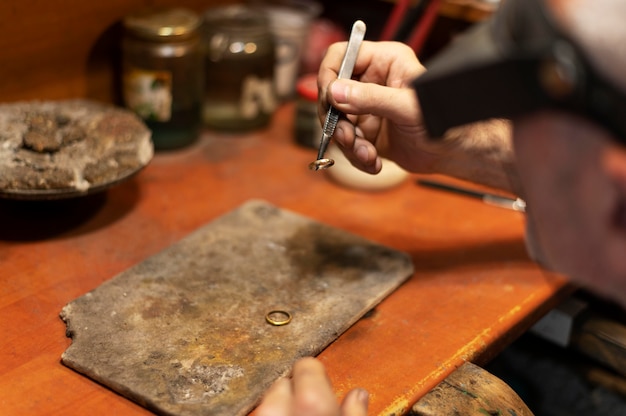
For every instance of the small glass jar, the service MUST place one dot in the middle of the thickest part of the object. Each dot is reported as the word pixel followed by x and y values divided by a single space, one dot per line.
pixel 239 54
pixel 162 73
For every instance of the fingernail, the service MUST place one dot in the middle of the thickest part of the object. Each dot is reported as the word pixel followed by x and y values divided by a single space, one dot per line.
pixel 357 397
pixel 339 91
pixel 363 396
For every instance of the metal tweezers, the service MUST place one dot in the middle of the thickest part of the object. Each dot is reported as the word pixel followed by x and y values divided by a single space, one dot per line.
pixel 332 116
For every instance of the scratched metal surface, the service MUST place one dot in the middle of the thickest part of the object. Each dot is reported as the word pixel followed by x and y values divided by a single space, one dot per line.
pixel 184 332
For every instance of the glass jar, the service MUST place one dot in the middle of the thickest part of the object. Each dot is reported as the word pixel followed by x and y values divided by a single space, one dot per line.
pixel 239 54
pixel 162 73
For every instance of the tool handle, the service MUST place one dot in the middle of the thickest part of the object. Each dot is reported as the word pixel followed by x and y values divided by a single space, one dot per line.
pixel 354 43
pixel 452 188
pixel 345 71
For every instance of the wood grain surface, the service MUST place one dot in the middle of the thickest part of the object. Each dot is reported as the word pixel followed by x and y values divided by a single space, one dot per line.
pixel 68 48
pixel 474 289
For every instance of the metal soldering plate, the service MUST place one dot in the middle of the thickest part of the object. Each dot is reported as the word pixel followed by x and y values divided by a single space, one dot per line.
pixel 185 332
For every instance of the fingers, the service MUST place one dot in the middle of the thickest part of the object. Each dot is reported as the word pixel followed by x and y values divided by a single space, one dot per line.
pixel 329 68
pixel 386 63
pixel 399 105
pixel 278 400
pixel 359 151
pixel 379 96
pixel 309 393
pixel 390 64
pixel 313 394
pixel 355 403
pixel 371 103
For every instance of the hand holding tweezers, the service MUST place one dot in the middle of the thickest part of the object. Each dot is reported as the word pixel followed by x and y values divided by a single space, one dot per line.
pixel 332 116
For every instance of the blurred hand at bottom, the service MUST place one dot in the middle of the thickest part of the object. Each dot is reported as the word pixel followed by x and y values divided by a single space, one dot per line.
pixel 309 393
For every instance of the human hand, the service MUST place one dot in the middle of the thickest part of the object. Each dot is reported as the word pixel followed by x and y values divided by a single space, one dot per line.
pixel 381 106
pixel 309 393
pixel 384 120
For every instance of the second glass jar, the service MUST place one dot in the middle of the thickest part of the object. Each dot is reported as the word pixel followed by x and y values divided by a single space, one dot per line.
pixel 239 55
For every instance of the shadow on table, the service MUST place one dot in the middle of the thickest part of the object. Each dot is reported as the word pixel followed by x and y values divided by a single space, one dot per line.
pixel 26 220
pixel 468 253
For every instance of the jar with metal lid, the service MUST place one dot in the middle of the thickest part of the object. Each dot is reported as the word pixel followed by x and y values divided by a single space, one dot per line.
pixel 239 55
pixel 162 73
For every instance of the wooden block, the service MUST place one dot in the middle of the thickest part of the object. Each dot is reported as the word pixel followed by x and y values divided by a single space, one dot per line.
pixel 470 390
pixel 603 339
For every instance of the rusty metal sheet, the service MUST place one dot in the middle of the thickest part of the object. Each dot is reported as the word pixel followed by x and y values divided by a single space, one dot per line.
pixel 185 332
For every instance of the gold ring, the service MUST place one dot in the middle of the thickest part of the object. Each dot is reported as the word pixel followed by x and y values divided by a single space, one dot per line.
pixel 321 164
pixel 286 318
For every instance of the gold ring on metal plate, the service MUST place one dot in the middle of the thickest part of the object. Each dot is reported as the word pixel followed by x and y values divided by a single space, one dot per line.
pixel 278 317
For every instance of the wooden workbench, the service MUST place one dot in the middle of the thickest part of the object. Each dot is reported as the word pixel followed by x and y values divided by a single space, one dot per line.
pixel 473 292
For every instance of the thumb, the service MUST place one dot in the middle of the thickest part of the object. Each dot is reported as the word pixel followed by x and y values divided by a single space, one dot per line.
pixel 353 97
pixel 355 403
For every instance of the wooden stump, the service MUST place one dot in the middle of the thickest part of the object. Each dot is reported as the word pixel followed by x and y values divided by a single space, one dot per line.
pixel 470 390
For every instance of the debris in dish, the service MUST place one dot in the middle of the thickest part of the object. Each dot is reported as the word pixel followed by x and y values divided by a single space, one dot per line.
pixel 68 147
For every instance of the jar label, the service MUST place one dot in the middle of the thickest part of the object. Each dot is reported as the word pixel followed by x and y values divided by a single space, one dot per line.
pixel 148 93
pixel 257 96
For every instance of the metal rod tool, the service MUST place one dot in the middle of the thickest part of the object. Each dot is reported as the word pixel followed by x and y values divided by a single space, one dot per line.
pixel 516 204
pixel 332 116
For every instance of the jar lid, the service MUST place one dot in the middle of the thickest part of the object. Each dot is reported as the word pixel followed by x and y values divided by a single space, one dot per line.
pixel 238 18
pixel 307 87
pixel 163 23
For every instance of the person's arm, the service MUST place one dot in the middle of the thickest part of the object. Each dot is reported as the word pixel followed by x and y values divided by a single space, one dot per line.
pixel 482 153
pixel 385 121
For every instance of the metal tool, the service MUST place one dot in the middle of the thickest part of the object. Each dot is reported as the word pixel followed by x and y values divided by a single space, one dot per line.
pixel 516 204
pixel 332 116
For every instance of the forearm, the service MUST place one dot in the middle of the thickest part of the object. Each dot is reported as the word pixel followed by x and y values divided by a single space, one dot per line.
pixel 482 153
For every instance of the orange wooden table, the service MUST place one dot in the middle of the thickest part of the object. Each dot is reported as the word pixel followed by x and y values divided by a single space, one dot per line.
pixel 473 292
